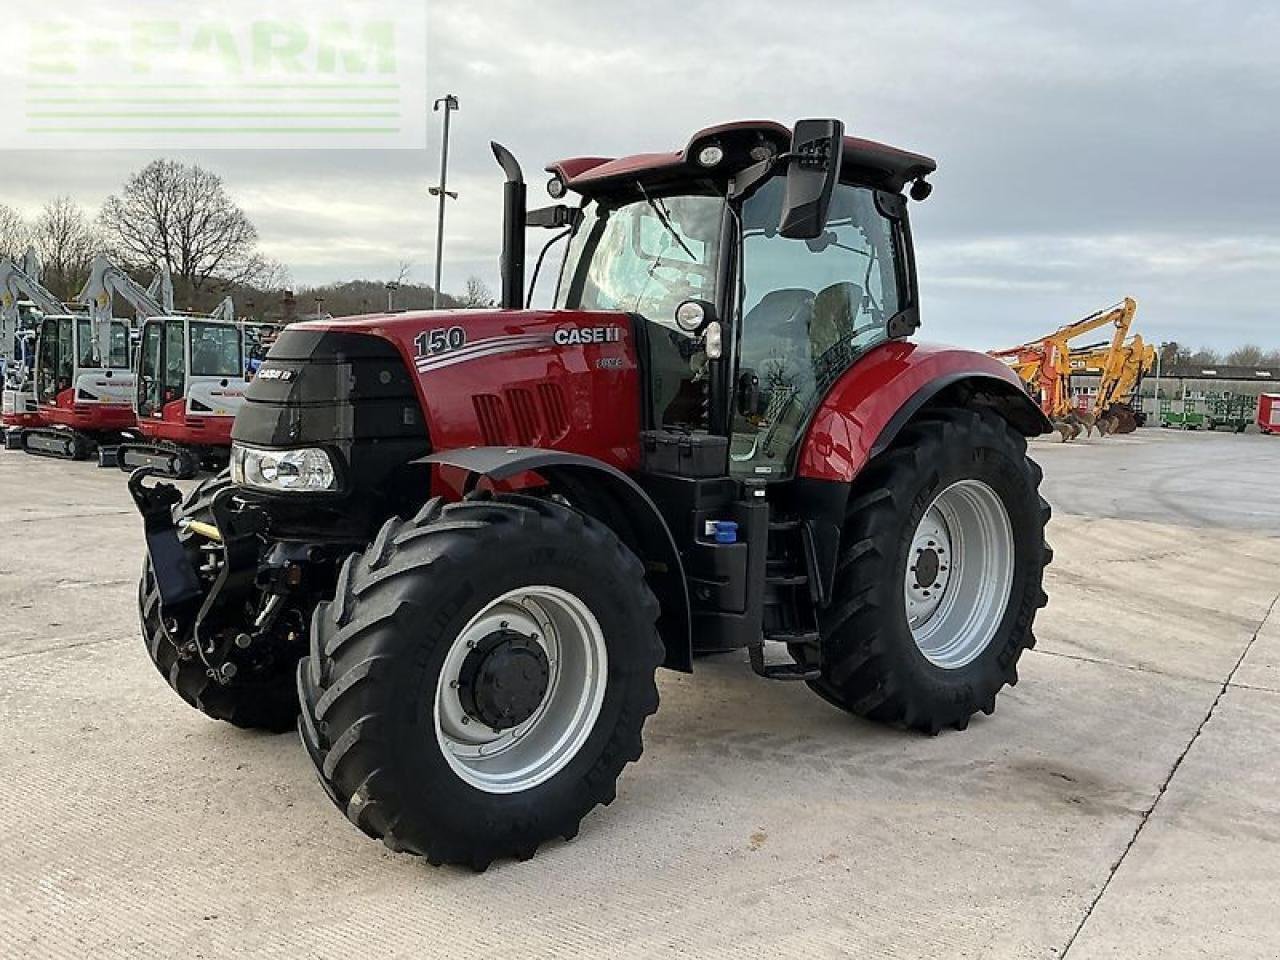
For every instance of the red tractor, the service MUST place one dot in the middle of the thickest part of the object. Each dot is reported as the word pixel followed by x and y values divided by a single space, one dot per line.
pixel 466 541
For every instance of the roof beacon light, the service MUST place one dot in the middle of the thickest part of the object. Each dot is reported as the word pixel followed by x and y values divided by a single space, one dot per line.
pixel 557 188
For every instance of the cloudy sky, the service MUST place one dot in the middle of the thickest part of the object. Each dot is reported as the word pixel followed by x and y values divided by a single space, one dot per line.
pixel 1086 150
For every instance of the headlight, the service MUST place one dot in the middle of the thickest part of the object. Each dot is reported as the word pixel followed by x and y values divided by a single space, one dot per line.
pixel 308 470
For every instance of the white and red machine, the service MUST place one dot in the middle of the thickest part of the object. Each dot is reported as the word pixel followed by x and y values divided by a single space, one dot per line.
pixel 23 304
pixel 192 376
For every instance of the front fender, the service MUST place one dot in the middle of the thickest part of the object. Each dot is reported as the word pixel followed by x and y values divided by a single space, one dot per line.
pixel 613 498
pixel 867 406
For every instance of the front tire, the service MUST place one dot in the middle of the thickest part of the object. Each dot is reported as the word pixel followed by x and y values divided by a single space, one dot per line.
pixel 481 678
pixel 940 576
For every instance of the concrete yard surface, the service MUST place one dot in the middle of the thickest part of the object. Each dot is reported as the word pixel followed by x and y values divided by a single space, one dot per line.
pixel 1123 801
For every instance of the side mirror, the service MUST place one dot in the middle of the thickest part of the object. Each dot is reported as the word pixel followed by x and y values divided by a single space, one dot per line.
pixel 817 149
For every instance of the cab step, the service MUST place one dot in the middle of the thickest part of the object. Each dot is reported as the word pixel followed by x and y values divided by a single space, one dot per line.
pixel 782 670
pixel 787 580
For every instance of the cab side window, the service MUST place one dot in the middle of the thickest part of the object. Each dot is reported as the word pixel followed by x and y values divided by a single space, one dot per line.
pixel 175 361
pixel 810 308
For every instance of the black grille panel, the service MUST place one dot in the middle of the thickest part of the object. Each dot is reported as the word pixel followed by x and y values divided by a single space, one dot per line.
pixel 349 391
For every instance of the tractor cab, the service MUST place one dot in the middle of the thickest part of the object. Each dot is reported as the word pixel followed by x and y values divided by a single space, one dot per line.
pixel 759 282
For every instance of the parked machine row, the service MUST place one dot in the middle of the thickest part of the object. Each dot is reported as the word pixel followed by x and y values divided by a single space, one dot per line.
pixel 159 390
pixel 1046 365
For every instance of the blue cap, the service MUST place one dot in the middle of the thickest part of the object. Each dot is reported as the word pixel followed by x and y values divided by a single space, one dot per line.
pixel 726 531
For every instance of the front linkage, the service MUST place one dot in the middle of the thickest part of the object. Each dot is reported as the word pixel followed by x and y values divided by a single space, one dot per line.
pixel 226 611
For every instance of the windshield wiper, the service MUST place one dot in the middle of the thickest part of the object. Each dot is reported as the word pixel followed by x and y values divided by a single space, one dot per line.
pixel 665 219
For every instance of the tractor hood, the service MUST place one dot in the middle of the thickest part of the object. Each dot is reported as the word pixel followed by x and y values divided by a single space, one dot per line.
pixel 383 387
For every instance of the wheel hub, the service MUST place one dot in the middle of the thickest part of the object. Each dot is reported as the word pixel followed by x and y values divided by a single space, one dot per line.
pixel 929 568
pixel 504 679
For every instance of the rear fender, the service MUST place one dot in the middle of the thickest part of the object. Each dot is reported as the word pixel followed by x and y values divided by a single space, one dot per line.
pixel 608 495
pixel 874 399
pixel 866 409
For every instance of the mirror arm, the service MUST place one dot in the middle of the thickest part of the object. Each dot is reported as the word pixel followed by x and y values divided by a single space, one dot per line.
pixel 745 181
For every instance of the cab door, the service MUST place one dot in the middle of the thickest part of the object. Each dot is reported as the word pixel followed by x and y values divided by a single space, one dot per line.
pixel 150 369
pixel 47 361
pixel 55 359
pixel 809 309
pixel 173 383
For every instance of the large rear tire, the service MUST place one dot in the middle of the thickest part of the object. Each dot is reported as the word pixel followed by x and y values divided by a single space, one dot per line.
pixel 481 678
pixel 940 575
pixel 262 699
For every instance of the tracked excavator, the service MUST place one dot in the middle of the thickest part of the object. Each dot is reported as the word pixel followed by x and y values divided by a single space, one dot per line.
pixel 1116 405
pixel 24 303
pixel 1044 366
pixel 190 375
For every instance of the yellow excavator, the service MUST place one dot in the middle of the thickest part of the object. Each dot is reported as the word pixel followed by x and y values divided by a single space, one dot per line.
pixel 1116 406
pixel 1045 366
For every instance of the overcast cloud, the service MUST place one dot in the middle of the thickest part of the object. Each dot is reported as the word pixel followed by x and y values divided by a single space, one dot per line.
pixel 1086 150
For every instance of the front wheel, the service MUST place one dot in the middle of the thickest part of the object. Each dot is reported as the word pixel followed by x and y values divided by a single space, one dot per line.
pixel 941 574
pixel 481 678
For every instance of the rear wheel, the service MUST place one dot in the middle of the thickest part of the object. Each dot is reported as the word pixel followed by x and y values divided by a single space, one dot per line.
pixel 940 575
pixel 481 678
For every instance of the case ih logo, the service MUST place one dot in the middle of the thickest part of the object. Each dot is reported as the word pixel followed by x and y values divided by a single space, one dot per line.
pixel 275 373
pixel 577 336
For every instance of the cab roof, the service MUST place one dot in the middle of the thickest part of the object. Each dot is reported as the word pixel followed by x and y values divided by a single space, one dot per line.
pixel 744 143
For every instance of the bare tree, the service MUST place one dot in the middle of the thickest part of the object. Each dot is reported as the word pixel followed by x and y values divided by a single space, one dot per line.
pixel 14 233
pixel 1247 355
pixel 64 237
pixel 1204 357
pixel 181 216
pixel 478 294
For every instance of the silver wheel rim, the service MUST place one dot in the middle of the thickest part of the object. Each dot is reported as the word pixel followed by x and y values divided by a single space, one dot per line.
pixel 526 755
pixel 959 574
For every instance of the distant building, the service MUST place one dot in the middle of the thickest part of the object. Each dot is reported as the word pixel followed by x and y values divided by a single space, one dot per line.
pixel 1195 382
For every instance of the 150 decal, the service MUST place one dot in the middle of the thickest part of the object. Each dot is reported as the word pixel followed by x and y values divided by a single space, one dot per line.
pixel 430 343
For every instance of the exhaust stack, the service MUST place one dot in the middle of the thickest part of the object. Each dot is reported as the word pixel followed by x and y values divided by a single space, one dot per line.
pixel 513 225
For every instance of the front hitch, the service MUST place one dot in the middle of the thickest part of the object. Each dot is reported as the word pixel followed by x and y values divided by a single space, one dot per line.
pixel 176 579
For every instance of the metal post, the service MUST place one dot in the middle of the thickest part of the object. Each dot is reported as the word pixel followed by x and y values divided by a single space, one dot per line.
pixel 450 104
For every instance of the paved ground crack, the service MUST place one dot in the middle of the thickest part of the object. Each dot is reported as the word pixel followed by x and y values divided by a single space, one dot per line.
pixel 1146 816
pixel 58 647
pixel 1135 667
pixel 74 516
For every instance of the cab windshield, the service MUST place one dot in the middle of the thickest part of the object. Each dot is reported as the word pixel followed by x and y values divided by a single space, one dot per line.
pixel 646 256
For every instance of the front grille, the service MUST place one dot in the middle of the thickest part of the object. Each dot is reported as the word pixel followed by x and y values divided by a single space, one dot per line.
pixel 349 391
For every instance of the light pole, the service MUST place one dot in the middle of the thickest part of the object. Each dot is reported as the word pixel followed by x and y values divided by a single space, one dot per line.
pixel 392 287
pixel 450 103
